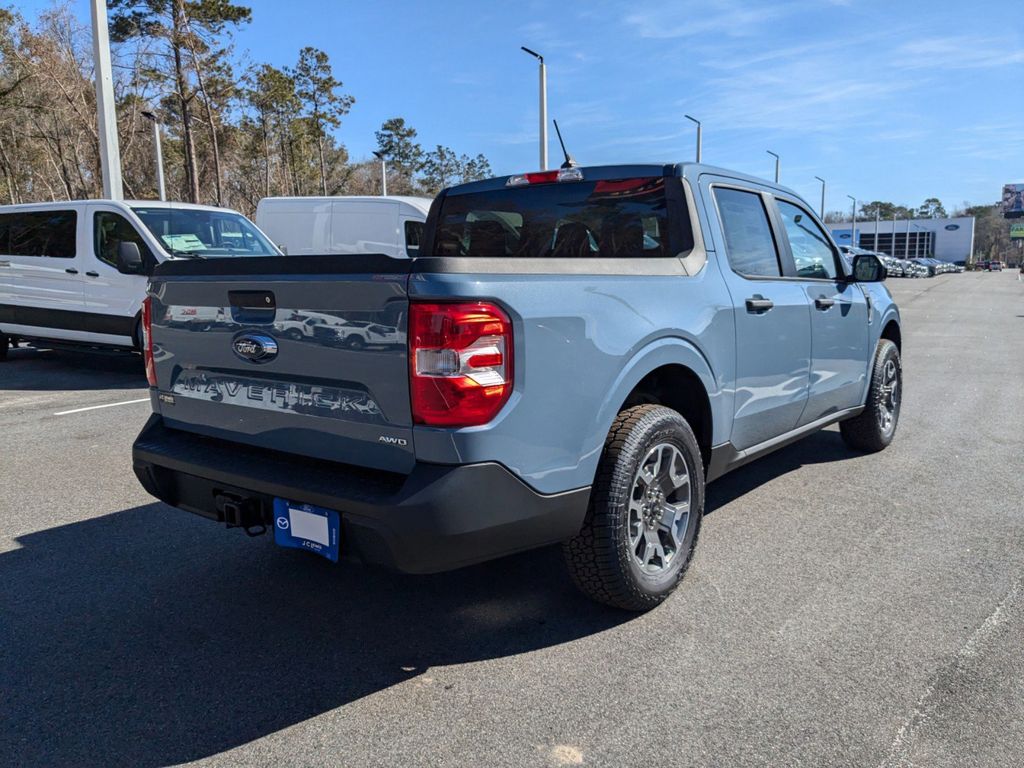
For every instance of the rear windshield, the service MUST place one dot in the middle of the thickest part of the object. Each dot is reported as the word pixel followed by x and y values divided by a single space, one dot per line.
pixel 610 218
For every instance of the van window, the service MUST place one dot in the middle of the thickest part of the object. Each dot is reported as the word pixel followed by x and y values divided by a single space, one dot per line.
pixel 608 218
pixel 749 244
pixel 112 228
pixel 413 233
pixel 39 233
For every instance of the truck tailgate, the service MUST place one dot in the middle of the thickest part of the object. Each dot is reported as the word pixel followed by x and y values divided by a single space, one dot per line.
pixel 302 354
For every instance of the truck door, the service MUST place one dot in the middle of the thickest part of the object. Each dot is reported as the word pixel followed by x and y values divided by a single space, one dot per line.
pixel 839 314
pixel 773 336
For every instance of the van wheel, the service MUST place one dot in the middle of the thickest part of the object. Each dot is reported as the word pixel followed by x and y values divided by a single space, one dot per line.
pixel 645 511
pixel 875 427
pixel 5 344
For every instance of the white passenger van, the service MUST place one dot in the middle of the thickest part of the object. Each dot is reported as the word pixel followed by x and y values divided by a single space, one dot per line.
pixel 75 272
pixel 302 226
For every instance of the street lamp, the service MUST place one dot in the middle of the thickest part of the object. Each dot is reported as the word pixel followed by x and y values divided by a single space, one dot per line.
pixel 893 253
pixel 694 119
pixel 776 164
pixel 853 222
pixel 543 108
pixel 822 196
pixel 383 173
pixel 158 157
pixel 907 247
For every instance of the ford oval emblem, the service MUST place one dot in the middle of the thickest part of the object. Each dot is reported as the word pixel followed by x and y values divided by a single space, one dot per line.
pixel 255 347
pixel 952 227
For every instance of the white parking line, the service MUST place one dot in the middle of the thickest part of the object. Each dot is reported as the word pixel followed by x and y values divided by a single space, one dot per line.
pixel 105 405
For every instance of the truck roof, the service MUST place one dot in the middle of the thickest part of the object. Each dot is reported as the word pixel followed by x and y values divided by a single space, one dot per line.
pixel 685 170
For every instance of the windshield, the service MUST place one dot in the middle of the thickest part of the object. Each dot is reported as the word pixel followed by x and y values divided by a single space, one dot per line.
pixel 198 233
pixel 621 218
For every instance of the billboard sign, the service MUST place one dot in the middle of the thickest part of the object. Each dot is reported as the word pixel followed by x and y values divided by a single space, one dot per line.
pixel 1017 231
pixel 1013 201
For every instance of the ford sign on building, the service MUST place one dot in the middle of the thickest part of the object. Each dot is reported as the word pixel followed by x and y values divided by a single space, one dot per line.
pixel 946 239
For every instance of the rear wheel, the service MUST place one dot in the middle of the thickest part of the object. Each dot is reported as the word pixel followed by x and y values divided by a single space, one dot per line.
pixel 355 341
pixel 645 510
pixel 875 427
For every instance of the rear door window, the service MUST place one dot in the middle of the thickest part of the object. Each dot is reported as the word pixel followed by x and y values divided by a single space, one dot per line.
pixel 39 233
pixel 749 243
pixel 413 235
pixel 608 218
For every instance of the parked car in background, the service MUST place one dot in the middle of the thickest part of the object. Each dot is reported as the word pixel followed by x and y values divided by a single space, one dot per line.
pixel 303 226
pixel 76 272
pixel 575 354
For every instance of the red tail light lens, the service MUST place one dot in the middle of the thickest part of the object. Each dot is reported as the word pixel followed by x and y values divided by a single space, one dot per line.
pixel 460 358
pixel 147 340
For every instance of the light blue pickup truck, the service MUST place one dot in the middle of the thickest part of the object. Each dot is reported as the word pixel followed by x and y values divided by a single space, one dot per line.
pixel 574 354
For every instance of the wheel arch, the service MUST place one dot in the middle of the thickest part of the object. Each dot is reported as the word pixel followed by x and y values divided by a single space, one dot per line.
pixel 673 373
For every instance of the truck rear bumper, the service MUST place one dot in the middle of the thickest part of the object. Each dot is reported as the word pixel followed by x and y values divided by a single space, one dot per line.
pixel 434 519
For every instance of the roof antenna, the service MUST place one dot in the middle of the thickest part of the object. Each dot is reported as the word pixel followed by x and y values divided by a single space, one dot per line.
pixel 569 162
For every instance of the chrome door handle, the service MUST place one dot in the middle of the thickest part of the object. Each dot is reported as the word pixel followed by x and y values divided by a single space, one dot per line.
pixel 824 304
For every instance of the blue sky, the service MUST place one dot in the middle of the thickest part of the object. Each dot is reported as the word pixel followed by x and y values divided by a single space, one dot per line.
pixel 895 100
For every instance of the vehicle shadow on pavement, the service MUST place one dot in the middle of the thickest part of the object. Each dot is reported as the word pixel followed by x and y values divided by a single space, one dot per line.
pixel 35 370
pixel 149 637
pixel 821 447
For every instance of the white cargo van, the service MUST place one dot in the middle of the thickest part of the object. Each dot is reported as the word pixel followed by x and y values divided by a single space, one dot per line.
pixel 75 272
pixel 301 226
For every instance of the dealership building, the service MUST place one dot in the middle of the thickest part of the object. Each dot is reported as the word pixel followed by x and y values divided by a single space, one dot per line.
pixel 945 239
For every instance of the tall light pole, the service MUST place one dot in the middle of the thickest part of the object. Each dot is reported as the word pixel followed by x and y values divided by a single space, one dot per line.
pixel 878 219
pixel 776 164
pixel 383 173
pixel 917 242
pixel 853 222
pixel 110 154
pixel 543 108
pixel 893 254
pixel 158 156
pixel 694 119
pixel 907 249
pixel 822 214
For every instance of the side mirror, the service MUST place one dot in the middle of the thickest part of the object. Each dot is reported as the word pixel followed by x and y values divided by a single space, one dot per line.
pixel 868 268
pixel 129 258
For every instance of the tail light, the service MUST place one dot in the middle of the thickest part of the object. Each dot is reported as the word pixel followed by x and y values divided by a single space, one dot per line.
pixel 460 358
pixel 147 340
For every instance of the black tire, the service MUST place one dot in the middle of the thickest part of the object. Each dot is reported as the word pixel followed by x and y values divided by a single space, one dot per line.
pixel 5 344
pixel 867 432
pixel 355 341
pixel 600 558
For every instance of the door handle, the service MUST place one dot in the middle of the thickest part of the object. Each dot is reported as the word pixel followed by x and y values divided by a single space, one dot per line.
pixel 71 271
pixel 93 274
pixel 5 263
pixel 824 304
pixel 758 305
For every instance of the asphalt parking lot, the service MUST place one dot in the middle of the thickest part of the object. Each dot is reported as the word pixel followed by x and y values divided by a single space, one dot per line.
pixel 841 609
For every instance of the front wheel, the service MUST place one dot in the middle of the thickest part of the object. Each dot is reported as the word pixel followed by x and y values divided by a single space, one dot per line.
pixel 645 510
pixel 875 427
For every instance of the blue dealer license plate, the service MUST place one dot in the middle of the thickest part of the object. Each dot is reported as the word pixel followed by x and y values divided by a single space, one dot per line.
pixel 304 526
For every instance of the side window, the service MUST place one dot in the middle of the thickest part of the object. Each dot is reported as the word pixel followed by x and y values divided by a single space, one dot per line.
pixel 110 229
pixel 812 253
pixel 749 243
pixel 413 233
pixel 39 233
